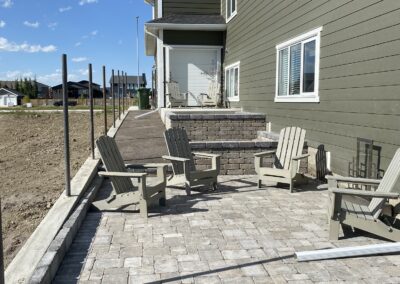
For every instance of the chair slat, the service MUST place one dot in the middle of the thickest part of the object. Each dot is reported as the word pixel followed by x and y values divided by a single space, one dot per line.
pixel 389 183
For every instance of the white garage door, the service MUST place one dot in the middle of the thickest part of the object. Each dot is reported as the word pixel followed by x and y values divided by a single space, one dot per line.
pixel 194 69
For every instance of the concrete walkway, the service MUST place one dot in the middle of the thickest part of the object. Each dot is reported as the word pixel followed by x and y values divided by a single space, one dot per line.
pixel 238 234
pixel 141 140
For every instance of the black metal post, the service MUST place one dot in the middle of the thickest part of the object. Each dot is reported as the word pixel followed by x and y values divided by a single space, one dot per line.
pixel 113 96
pixel 105 100
pixel 119 96
pixel 1 251
pixel 91 111
pixel 66 127
pixel 123 92
pixel 126 90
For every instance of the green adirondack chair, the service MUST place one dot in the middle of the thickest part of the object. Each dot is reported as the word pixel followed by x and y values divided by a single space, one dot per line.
pixel 363 209
pixel 287 158
pixel 184 169
pixel 125 192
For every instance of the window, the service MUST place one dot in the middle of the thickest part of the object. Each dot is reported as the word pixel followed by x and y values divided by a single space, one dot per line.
pixel 297 77
pixel 232 82
pixel 231 9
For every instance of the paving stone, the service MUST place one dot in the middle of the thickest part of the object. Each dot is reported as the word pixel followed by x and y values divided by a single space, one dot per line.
pixel 133 262
pixel 235 254
pixel 166 265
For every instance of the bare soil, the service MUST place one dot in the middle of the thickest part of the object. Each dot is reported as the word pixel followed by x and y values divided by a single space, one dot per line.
pixel 32 168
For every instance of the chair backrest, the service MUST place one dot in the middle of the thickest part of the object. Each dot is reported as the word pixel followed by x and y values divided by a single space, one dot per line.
pixel 173 89
pixel 389 183
pixel 178 146
pixel 291 143
pixel 113 162
pixel 214 89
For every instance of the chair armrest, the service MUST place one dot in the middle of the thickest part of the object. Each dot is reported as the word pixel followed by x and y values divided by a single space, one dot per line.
pixel 176 159
pixel 355 192
pixel 146 166
pixel 266 153
pixel 353 180
pixel 206 155
pixel 300 157
pixel 122 174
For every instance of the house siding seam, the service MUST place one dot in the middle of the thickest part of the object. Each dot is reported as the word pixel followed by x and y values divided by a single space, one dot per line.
pixel 359 70
pixel 191 7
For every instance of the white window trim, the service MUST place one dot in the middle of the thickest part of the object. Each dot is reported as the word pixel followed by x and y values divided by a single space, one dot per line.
pixel 228 19
pixel 231 66
pixel 306 97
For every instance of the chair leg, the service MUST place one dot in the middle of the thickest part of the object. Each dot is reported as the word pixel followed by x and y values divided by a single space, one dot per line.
pixel 143 208
pixel 214 186
pixel 259 183
pixel 291 186
pixel 188 189
pixel 334 227
pixel 163 199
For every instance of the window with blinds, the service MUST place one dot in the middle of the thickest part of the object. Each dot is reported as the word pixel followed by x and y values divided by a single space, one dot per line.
pixel 298 68
pixel 232 82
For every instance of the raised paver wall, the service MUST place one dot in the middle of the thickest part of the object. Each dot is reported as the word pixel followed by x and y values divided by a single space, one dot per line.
pixel 237 157
pixel 220 127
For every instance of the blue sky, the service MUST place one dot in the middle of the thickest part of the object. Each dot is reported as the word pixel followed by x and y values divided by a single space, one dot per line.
pixel 35 33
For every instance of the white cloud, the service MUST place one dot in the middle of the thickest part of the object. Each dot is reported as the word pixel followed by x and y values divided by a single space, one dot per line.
pixel 52 26
pixel 79 59
pixel 6 45
pixel 83 72
pixel 34 25
pixel 6 3
pixel 78 44
pixel 94 33
pixel 15 74
pixel 64 9
pixel 84 2
pixel 2 24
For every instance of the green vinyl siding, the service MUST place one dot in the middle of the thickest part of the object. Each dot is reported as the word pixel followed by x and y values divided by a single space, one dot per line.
pixel 193 38
pixel 191 7
pixel 359 70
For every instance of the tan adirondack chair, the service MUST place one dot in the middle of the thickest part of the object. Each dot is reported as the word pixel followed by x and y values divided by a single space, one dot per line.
pixel 213 97
pixel 125 193
pixel 174 97
pixel 286 158
pixel 184 170
pixel 362 209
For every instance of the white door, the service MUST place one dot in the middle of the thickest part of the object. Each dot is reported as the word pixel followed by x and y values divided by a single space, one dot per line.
pixel 194 69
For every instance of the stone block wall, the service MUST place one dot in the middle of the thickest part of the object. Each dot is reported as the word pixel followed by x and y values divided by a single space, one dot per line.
pixel 219 127
pixel 237 158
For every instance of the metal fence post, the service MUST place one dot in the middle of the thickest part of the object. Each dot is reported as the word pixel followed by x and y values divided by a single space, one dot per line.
pixel 126 90
pixel 119 96
pixel 123 92
pixel 91 111
pixel 105 100
pixel 113 96
pixel 1 251
pixel 66 127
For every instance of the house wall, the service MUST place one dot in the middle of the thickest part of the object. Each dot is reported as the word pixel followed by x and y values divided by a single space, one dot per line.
pixel 191 7
pixel 359 70
pixel 193 38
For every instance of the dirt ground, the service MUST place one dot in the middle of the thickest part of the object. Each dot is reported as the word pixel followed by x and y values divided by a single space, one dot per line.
pixel 32 168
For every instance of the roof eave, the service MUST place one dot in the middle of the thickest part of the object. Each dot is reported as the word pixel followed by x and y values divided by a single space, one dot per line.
pixel 187 27
pixel 150 2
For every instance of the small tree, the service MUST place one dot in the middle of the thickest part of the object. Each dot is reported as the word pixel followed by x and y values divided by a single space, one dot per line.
pixel 35 88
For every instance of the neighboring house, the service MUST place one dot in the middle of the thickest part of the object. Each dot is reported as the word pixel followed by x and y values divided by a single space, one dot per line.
pixel 132 84
pixel 43 89
pixel 331 67
pixel 77 90
pixel 9 97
